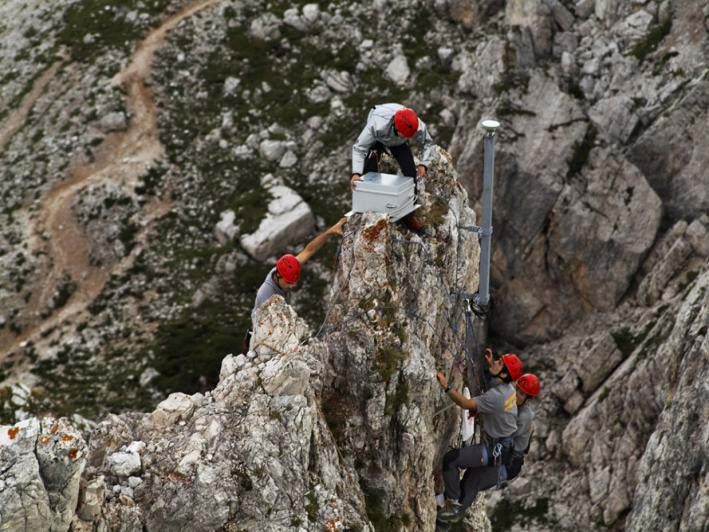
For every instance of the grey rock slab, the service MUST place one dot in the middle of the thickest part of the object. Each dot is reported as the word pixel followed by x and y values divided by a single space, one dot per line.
pixel 292 18
pixel 111 122
pixel 266 27
pixel 225 230
pixel 615 117
pixel 610 228
pixel 311 13
pixel 654 284
pixel 339 81
pixel 634 28
pixel 562 16
pixel 177 406
pixel 535 17
pixel 288 220
pixel 398 70
pixel 42 463
pixel 272 150
pixel 584 8
pixel 673 154
pixel 124 464
pixel 698 235
pixel 288 160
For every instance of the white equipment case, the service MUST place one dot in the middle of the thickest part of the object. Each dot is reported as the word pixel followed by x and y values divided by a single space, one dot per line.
pixel 388 193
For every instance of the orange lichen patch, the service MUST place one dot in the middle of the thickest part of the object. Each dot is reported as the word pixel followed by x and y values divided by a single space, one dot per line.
pixel 44 440
pixel 73 453
pixel 55 428
pixel 13 432
pixel 331 525
pixel 372 233
pixel 67 437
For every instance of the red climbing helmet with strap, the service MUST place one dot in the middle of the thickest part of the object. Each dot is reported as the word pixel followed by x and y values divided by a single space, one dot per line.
pixel 513 365
pixel 529 384
pixel 406 122
pixel 288 267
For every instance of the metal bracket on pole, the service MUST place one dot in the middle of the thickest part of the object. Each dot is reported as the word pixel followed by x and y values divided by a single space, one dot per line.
pixel 471 228
pixel 476 229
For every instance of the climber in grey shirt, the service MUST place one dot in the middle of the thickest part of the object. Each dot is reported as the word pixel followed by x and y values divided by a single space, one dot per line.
pixel 480 479
pixel 525 416
pixel 275 285
pixel 283 278
pixel 498 409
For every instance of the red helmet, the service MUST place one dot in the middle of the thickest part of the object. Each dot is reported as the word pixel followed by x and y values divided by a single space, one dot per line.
pixel 529 384
pixel 406 122
pixel 288 267
pixel 513 365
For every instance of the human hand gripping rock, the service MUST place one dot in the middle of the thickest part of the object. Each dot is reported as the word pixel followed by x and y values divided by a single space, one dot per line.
pixel 337 228
pixel 442 379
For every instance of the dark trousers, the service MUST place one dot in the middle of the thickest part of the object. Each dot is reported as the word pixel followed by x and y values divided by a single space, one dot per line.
pixel 471 458
pixel 474 481
pixel 401 153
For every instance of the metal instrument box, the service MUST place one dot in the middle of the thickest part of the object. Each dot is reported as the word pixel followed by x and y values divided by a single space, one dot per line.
pixel 388 193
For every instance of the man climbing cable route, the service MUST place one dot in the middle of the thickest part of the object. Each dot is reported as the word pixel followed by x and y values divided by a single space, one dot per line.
pixel 286 274
pixel 480 479
pixel 498 410
pixel 389 128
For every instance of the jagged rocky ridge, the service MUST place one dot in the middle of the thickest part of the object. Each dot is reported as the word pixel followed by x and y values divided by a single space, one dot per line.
pixel 336 431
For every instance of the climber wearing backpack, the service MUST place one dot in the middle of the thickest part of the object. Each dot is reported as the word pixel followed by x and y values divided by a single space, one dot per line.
pixel 389 128
pixel 498 409
pixel 483 478
pixel 283 278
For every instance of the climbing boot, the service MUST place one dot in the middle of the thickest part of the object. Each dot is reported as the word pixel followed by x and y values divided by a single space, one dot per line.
pixel 450 510
pixel 442 526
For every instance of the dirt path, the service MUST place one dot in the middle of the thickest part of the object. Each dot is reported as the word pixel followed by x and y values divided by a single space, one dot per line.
pixel 122 158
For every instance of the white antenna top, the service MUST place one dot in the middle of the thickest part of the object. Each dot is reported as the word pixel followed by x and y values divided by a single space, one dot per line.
pixel 490 124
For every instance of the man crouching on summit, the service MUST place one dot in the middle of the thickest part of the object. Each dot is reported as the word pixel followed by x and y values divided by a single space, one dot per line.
pixel 498 407
pixel 389 128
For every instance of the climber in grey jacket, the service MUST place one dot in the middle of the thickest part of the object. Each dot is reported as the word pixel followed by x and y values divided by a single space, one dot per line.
pixel 389 127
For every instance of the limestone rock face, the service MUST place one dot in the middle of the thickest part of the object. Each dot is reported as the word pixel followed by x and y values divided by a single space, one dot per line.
pixel 574 142
pixel 619 424
pixel 42 461
pixel 673 154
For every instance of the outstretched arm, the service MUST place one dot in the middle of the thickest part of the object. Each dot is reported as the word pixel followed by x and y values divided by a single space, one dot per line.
pixel 317 242
pixel 456 397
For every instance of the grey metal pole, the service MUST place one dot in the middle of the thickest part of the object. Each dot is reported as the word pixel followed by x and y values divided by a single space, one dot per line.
pixel 482 298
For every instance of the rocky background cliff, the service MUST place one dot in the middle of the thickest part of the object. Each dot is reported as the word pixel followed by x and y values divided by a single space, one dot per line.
pixel 157 155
